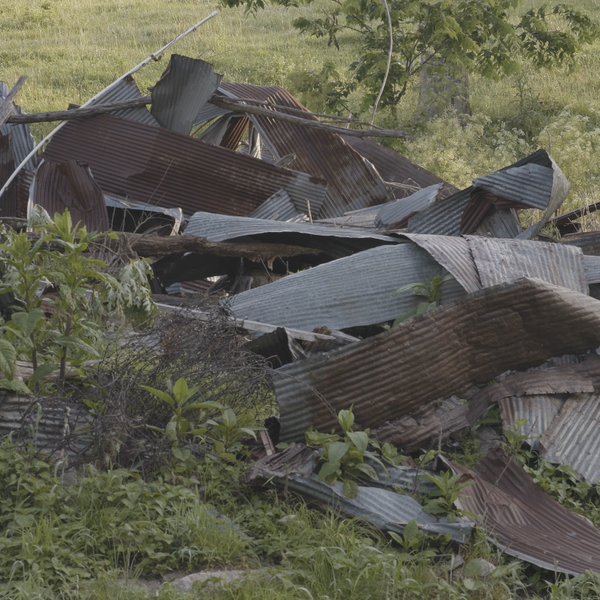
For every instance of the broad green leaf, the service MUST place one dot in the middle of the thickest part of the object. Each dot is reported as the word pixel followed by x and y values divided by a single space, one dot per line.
pixel 28 321
pixel 159 394
pixel 229 417
pixel 328 469
pixel 360 439
pixel 367 470
pixel 15 385
pixel 411 530
pixel 181 453
pixel 181 391
pixel 171 430
pixel 337 451
pixel 42 371
pixel 350 489
pixel 8 358
pixel 346 419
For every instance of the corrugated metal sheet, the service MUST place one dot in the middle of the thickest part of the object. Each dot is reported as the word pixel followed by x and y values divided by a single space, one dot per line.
pixel 454 254
pixel 352 291
pixel 221 228
pixel 126 89
pixel 444 218
pixel 387 510
pixel 396 214
pixel 71 185
pixel 592 269
pixel 524 521
pixel 503 223
pixel 394 167
pixel 277 347
pixel 278 207
pixel 499 261
pixel 352 183
pixel 435 355
pixel 182 91
pixel 573 438
pixel 8 201
pixel 158 166
pixel 22 140
pixel 363 218
pixel 215 132
pixel 115 201
pixel 538 411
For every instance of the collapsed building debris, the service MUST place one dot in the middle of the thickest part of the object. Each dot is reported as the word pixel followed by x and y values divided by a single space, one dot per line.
pixel 311 231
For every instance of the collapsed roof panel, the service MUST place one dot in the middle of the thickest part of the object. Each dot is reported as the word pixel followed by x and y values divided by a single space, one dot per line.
pixel 524 521
pixel 182 91
pixel 349 292
pixel 464 211
pixel 435 355
pixel 124 90
pixel 395 168
pixel 158 166
pixel 396 214
pixel 71 185
pixel 352 183
pixel 573 437
pixel 279 207
pixel 8 201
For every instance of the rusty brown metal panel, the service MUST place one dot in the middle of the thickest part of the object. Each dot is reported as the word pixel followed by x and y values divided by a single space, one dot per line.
pixel 161 167
pixel 435 355
pixel 524 521
pixel 71 185
pixel 352 183
pixel 395 168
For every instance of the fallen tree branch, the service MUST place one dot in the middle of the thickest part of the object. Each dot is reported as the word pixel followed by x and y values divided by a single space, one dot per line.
pixel 229 104
pixel 6 105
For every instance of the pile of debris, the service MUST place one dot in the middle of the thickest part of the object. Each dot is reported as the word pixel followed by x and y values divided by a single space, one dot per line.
pixel 308 230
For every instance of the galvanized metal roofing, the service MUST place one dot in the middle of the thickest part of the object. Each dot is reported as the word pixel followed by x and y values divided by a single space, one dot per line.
pixel 435 355
pixel 352 182
pixel 501 260
pixel 363 218
pixel 393 167
pixel 182 91
pixel 573 437
pixel 279 207
pixel 158 166
pixel 352 291
pixel 220 228
pixel 592 269
pixel 71 185
pixel 396 214
pixel 441 218
pixel 524 521
pixel 126 89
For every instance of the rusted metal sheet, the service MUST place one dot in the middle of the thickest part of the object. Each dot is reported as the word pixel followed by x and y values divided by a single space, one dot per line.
pixel 71 185
pixel 352 182
pixel 435 355
pixel 500 261
pixel 395 168
pixel 395 215
pixel 348 292
pixel 157 166
pixel 573 437
pixel 182 91
pixel 464 211
pixel 524 521
pixel 126 89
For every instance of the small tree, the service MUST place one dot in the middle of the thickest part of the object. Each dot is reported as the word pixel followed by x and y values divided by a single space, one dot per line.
pixel 480 35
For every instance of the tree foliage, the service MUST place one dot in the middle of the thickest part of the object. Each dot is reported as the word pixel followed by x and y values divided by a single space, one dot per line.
pixel 484 36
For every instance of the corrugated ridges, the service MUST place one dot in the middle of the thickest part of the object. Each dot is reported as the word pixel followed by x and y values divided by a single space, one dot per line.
pixel 352 183
pixel 71 185
pixel 524 521
pixel 8 201
pixel 435 355
pixel 454 254
pixel 501 260
pixel 394 167
pixel 397 213
pixel 158 166
pixel 530 185
pixel 387 510
pixel 592 269
pixel 538 411
pixel 278 207
pixel 182 91
pixel 573 438
pixel 363 218
pixel 352 291
pixel 124 90
pixel 220 228
pixel 503 223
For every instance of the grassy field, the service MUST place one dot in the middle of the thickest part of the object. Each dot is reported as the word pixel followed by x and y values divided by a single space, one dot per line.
pixel 71 49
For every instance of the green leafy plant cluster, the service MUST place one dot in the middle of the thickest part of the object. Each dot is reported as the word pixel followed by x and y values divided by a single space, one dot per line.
pixel 344 455
pixel 83 296
pixel 431 290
